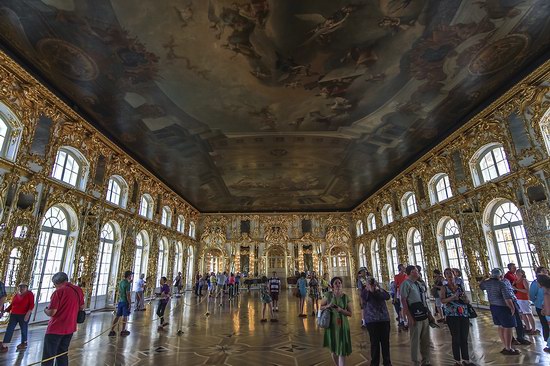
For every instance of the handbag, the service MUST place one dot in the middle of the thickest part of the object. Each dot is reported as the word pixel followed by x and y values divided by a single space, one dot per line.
pixel 472 312
pixel 323 320
pixel 81 315
pixel 419 310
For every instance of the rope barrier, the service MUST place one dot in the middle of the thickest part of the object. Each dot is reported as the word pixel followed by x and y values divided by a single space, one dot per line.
pixel 172 312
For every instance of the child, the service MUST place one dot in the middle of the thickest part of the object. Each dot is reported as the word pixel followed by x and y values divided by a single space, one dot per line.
pixel 265 297
pixel 164 297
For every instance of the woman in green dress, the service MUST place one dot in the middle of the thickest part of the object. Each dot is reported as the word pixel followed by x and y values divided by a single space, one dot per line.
pixel 337 336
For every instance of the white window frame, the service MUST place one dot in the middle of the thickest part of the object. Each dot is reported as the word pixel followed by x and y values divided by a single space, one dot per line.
pixel 376 261
pixel 181 224
pixel 192 229
pixel 122 195
pixel 162 262
pixel 371 222
pixel 387 214
pixel 10 142
pixel 416 248
pixel 489 153
pixel 451 240
pixel 359 227
pixel 141 256
pixel 362 256
pixel 61 171
pixel 146 212
pixel 392 255
pixel 408 204
pixel 434 193
pixel 166 216
pixel 545 130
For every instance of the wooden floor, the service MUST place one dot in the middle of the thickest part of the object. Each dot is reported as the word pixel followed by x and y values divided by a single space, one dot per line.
pixel 234 335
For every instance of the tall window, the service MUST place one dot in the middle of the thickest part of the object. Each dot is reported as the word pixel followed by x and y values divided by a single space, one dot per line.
pixel 181 224
pixel 178 258
pixel 146 206
pixel 106 244
pixel 50 254
pixel 371 222
pixel 190 266
pixel 10 133
pixel 4 132
pixel 362 256
pixel 416 249
pixel 545 129
pixel 166 217
pixel 408 203
pixel 140 261
pixel 117 191
pixel 360 229
pixel 70 167
pixel 192 229
pixel 440 188
pixel 162 264
pixel 489 163
pixel 393 259
pixel 376 266
pixel 511 240
pixel 387 214
pixel 454 254
pixel 13 267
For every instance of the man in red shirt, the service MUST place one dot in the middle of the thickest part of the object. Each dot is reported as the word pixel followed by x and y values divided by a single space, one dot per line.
pixel 398 280
pixel 511 274
pixel 65 303
pixel 20 311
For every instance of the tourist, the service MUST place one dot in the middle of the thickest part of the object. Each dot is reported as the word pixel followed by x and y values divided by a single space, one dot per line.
pixel 459 281
pixel 544 282
pixel 325 284
pixel 536 295
pixel 178 283
pixel 522 294
pixel 20 311
pixel 398 280
pixel 164 297
pixel 274 289
pixel 314 293
pixel 124 303
pixel 436 288
pixel 361 284
pixel 3 297
pixel 198 288
pixel 520 331
pixel 415 308
pixel 337 336
pixel 266 300
pixel 65 303
pixel 455 306
pixel 377 321
pixel 502 309
pixel 140 293
pixel 237 283
pixel 231 285
pixel 511 274
pixel 301 287
pixel 213 284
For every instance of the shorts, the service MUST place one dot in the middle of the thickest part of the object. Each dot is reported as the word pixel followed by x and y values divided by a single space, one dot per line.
pixel 438 302
pixel 122 309
pixel 524 306
pixel 502 316
pixel 275 296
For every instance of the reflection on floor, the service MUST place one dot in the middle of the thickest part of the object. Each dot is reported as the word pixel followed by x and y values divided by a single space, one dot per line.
pixel 234 335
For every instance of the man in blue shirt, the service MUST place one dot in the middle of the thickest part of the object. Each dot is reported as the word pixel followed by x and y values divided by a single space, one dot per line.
pixel 536 295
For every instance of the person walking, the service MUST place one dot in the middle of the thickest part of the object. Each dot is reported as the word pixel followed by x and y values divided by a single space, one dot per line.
pixel 266 300
pixel 398 279
pixel 520 331
pixel 502 309
pixel 20 311
pixel 274 285
pixel 65 303
pixel 544 282
pixel 455 306
pixel 337 336
pixel 140 293
pixel 536 295
pixel 377 321
pixel 178 283
pixel 314 293
pixel 415 308
pixel 164 297
pixel 124 303
pixel 301 286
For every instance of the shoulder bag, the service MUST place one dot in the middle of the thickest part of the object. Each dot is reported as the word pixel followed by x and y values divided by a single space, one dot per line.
pixel 323 320
pixel 81 316
pixel 419 310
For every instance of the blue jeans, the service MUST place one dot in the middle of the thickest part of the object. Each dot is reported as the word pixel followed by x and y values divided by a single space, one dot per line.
pixel 14 320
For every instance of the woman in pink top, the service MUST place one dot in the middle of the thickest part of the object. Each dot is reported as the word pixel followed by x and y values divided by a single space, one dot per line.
pixel 231 283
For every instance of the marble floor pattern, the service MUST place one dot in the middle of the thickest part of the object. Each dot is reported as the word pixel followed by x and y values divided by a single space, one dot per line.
pixel 234 335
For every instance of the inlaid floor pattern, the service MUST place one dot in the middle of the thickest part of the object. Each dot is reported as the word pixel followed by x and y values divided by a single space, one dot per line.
pixel 233 335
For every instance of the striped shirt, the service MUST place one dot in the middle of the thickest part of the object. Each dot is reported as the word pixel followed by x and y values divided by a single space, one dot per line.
pixel 274 284
pixel 497 292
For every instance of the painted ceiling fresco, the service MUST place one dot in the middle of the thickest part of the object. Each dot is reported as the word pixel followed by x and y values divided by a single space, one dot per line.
pixel 280 105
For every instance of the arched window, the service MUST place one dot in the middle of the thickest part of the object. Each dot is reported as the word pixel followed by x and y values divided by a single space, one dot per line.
pixel 140 261
pixel 181 224
pixel 387 214
pixel 13 267
pixel 545 130
pixel 376 266
pixel 489 163
pixel 511 240
pixel 371 222
pixel 408 204
pixel 21 232
pixel 178 258
pixel 117 191
pixel 146 206
pixel 192 229
pixel 166 217
pixel 162 264
pixel 360 229
pixel 393 259
pixel 10 133
pixel 50 254
pixel 440 188
pixel 453 254
pixel 362 256
pixel 71 167
pixel 105 256
pixel 190 266
pixel 416 251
